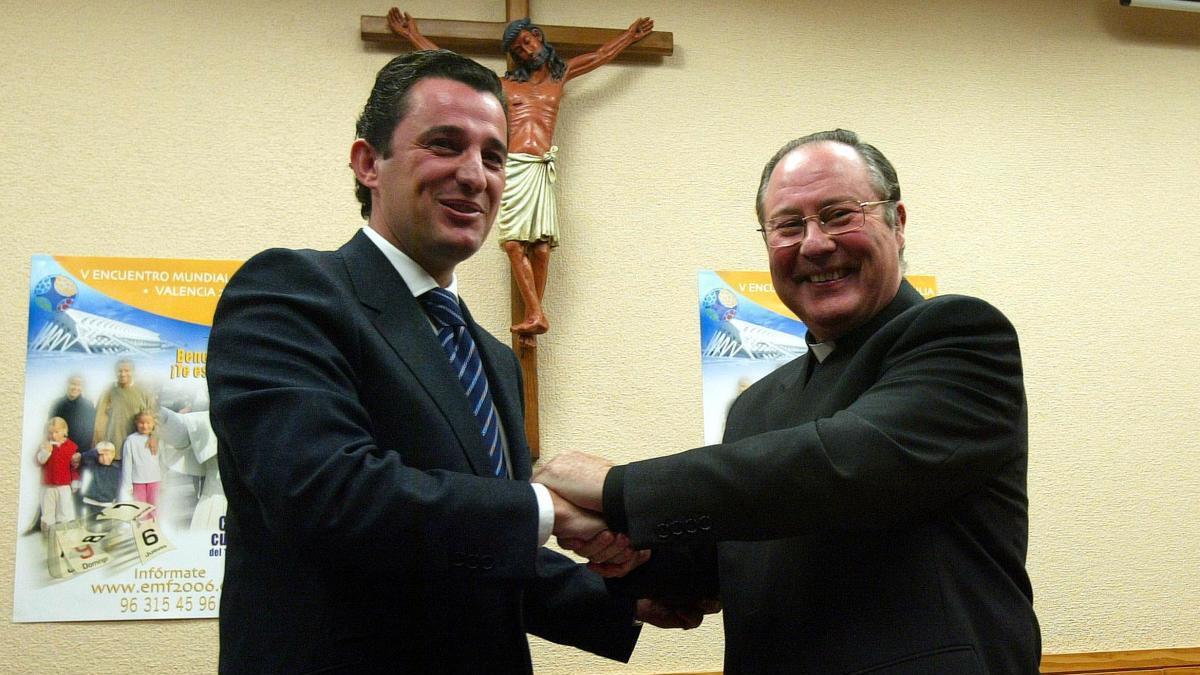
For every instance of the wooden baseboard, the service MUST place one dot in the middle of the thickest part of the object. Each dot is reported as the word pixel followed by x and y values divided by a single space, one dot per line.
pixel 1171 661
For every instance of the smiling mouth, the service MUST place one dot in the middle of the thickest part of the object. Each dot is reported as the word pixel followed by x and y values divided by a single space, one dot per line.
pixel 832 275
pixel 466 208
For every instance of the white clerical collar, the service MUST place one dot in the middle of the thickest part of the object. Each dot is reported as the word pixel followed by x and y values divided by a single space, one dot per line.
pixel 821 350
pixel 415 277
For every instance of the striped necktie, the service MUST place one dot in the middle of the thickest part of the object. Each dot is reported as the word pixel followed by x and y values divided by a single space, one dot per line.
pixel 443 310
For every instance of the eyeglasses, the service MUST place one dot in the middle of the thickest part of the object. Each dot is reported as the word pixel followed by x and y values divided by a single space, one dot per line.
pixel 835 219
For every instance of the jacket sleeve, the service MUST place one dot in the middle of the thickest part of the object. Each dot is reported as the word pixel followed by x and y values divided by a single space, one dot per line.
pixel 300 382
pixel 941 412
pixel 571 605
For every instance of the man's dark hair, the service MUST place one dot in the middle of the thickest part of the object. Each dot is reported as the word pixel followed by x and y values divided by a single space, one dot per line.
pixel 883 174
pixel 549 56
pixel 388 102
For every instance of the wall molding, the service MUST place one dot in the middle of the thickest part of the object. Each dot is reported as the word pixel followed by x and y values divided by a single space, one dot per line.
pixel 1171 660
pixel 1167 661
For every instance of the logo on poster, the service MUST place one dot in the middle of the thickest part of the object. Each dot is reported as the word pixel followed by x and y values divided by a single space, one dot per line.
pixel 720 304
pixel 55 293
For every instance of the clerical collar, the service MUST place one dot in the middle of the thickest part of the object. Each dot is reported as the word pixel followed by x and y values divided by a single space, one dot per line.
pixel 415 277
pixel 821 350
pixel 906 297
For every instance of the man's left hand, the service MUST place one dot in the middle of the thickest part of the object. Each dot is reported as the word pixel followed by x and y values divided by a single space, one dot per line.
pixel 674 614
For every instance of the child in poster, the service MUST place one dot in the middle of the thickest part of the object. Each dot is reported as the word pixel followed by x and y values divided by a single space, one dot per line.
pixel 102 479
pixel 141 460
pixel 56 454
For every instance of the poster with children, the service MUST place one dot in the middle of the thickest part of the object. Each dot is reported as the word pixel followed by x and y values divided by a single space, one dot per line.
pixel 745 333
pixel 121 512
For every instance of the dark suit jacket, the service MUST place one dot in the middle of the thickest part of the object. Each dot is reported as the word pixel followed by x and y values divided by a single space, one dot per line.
pixel 872 517
pixel 363 531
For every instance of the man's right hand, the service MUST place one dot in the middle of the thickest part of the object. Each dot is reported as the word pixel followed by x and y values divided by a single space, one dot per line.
pixel 609 554
pixel 585 533
pixel 572 522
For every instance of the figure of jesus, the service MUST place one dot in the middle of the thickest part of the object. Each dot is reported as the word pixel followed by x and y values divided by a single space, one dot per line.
pixel 528 218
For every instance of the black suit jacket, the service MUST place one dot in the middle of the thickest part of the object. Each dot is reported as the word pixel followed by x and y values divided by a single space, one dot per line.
pixel 364 532
pixel 871 516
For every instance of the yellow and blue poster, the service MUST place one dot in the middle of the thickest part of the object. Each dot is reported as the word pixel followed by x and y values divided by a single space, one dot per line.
pixel 745 333
pixel 121 509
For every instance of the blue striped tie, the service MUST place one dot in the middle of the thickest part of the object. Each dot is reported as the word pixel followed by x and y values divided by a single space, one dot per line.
pixel 442 307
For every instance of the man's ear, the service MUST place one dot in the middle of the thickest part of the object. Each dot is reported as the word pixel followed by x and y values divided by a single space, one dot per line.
pixel 901 220
pixel 363 161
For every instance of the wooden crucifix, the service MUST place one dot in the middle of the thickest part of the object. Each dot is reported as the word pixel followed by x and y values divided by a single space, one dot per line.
pixel 528 219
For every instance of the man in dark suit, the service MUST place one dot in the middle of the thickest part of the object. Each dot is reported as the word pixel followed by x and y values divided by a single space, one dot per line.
pixel 380 520
pixel 867 510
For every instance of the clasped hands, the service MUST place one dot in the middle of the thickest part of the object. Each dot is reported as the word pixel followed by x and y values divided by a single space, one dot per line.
pixel 576 487
pixel 576 483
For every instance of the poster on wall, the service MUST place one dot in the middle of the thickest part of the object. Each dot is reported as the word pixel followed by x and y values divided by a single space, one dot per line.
pixel 745 333
pixel 121 509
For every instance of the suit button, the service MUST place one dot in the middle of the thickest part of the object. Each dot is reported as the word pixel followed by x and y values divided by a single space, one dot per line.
pixel 690 525
pixel 457 559
pixel 662 531
pixel 487 562
pixel 472 562
pixel 705 523
pixel 676 528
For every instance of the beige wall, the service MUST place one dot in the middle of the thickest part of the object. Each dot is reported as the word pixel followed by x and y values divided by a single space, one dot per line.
pixel 1048 151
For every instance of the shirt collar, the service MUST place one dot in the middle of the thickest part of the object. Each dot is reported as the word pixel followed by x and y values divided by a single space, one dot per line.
pixel 821 350
pixel 415 277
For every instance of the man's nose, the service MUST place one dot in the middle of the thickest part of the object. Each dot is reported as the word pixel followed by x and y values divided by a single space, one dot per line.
pixel 816 242
pixel 470 172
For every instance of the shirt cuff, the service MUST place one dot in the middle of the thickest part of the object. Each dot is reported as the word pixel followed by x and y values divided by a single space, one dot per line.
pixel 545 512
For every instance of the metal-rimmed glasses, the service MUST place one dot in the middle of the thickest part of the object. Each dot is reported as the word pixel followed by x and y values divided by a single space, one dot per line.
pixel 835 219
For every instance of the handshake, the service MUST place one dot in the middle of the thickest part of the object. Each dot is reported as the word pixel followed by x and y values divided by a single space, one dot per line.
pixel 576 484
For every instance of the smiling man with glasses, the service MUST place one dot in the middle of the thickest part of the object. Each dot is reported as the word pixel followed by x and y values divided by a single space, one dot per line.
pixel 834 226
pixel 867 508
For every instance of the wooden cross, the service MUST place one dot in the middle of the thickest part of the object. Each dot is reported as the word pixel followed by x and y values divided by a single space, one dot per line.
pixel 485 36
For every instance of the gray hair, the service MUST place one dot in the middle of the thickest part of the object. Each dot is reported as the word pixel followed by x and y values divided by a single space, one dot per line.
pixel 883 174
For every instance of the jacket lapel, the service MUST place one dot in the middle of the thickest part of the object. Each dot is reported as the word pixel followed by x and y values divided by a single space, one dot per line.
pixel 403 324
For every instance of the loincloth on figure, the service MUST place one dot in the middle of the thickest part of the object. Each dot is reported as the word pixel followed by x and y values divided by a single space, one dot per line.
pixel 528 208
